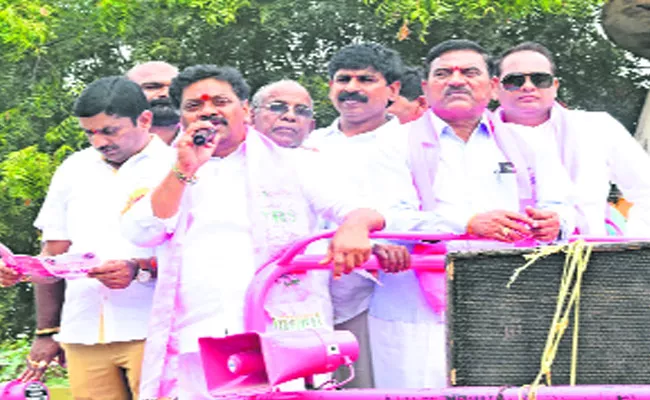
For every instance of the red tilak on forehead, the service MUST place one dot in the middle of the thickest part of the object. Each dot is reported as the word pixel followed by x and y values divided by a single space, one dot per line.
pixel 205 97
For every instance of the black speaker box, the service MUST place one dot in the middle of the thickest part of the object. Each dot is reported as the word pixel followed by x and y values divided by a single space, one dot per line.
pixel 496 335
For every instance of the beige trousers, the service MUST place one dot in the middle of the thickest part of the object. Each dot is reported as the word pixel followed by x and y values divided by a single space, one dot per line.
pixel 109 371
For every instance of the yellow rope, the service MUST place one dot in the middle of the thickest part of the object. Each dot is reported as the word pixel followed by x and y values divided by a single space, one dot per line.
pixel 575 264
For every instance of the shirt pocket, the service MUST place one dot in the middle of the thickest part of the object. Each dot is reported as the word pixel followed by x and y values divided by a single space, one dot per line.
pixel 506 192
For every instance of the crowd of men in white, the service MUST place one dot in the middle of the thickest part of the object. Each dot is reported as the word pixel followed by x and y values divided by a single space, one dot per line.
pixel 183 227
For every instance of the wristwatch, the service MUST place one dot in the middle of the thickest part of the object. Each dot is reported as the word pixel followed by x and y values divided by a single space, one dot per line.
pixel 146 269
pixel 143 275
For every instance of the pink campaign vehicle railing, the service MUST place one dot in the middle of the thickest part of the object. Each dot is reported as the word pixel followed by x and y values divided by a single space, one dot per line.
pixel 253 364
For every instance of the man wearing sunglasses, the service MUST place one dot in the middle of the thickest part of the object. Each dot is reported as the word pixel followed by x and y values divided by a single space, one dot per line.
pixel 594 148
pixel 451 172
pixel 283 111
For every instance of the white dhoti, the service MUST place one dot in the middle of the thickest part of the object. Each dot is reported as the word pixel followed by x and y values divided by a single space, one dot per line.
pixel 407 339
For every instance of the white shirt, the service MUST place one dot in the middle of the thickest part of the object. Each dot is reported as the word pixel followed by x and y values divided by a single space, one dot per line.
pixel 608 153
pixel 356 151
pixel 351 294
pixel 466 183
pixel 83 205
pixel 218 262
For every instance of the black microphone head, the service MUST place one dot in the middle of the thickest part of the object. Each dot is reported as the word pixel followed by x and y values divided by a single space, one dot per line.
pixel 203 135
pixel 199 139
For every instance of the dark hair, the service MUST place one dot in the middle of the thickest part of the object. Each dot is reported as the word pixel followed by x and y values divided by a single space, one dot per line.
pixel 411 83
pixel 112 95
pixel 364 55
pixel 525 46
pixel 200 72
pixel 455 45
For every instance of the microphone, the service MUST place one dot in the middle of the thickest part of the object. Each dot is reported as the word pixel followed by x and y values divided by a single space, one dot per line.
pixel 203 136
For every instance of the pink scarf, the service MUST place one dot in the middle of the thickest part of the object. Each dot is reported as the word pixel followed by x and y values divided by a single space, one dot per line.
pixel 564 124
pixel 424 157
pixel 275 196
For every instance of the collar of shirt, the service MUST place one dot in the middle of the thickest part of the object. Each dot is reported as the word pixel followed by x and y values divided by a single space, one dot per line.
pixel 547 125
pixel 334 130
pixel 152 149
pixel 442 128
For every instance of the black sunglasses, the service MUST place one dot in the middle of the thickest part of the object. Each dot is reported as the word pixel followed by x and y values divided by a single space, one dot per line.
pixel 280 108
pixel 541 80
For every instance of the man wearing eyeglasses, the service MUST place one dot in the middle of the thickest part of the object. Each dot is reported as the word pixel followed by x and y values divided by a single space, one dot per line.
pixel 154 78
pixel 594 148
pixel 451 172
pixel 283 111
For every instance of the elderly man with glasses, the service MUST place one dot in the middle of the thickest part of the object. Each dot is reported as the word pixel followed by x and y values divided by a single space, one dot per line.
pixel 283 111
pixel 594 148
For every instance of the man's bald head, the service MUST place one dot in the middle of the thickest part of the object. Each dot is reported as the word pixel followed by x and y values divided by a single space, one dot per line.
pixel 154 77
pixel 152 71
pixel 285 85
pixel 283 111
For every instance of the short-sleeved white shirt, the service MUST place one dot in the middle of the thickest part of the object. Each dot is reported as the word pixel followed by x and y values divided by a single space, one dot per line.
pixel 83 205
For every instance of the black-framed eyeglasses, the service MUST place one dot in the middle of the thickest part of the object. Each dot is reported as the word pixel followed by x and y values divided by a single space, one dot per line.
pixel 281 108
pixel 514 81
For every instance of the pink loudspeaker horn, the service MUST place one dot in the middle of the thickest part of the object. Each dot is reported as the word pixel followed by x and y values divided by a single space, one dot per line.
pixel 254 361
pixel 17 390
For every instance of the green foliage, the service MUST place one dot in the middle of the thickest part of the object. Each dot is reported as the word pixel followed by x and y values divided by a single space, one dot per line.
pixel 12 362
pixel 25 174
pixel 424 13
pixel 16 313
pixel 24 25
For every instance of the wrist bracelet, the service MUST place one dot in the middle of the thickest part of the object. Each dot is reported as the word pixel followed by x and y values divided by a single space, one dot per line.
pixel 182 177
pixel 47 331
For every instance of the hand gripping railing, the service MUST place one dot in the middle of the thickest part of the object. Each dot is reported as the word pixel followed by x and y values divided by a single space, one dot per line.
pixel 431 261
pixel 293 260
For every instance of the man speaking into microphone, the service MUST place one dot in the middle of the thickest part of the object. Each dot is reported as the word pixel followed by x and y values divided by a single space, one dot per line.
pixel 228 206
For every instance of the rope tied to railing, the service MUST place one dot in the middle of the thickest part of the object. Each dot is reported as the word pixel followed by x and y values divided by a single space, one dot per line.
pixel 568 299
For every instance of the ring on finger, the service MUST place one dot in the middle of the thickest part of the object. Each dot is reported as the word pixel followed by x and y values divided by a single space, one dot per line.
pixel 505 231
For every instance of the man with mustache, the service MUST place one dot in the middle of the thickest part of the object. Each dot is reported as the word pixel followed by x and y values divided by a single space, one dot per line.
pixel 101 323
pixel 225 208
pixel 411 103
pixel 364 79
pixel 283 111
pixel 452 172
pixel 154 77
pixel 595 149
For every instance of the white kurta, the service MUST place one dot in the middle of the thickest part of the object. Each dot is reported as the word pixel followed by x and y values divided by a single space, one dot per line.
pixel 217 257
pixel 607 153
pixel 407 337
pixel 350 294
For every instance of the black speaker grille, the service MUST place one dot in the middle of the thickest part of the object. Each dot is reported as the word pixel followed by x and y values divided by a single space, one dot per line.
pixel 497 335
